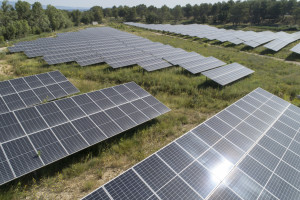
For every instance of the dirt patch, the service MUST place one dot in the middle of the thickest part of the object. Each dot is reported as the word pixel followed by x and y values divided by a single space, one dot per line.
pixel 3 49
pixel 5 69
pixel 72 189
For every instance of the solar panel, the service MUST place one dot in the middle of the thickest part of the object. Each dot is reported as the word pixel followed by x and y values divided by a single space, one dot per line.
pixel 120 49
pixel 89 60
pixel 296 49
pixel 201 65
pixel 153 63
pixel 23 92
pixel 223 158
pixel 228 74
pixel 275 41
pixel 183 58
pixel 34 137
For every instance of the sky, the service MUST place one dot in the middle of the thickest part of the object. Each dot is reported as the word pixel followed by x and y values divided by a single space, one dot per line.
pixel 110 3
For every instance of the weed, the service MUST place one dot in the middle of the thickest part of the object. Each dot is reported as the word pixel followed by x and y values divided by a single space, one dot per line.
pixel 88 185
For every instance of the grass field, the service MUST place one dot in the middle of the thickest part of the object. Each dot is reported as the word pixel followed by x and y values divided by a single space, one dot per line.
pixel 191 98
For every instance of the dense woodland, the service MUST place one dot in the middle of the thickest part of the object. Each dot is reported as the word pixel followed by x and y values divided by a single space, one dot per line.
pixel 23 18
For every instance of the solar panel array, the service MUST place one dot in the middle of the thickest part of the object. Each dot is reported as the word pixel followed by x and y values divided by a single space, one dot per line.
pixel 250 150
pixel 116 48
pixel 296 49
pixel 275 41
pixel 228 74
pixel 23 92
pixel 96 45
pixel 283 41
pixel 33 137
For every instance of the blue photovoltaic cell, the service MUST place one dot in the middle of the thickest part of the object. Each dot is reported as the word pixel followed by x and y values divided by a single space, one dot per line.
pixel 48 145
pixel 22 156
pixel 130 186
pixel 39 135
pixel 241 153
pixel 176 157
pixel 24 92
pixel 6 173
pixel 9 127
pixel 177 189
pixel 154 172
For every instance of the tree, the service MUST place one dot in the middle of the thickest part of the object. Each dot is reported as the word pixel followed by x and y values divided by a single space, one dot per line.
pixel 177 13
pixel 151 18
pixel 6 7
pixel 296 14
pixel 188 11
pixel 223 12
pixel 115 12
pixel 97 13
pixel 255 12
pixel 152 9
pixel 11 30
pixel 122 12
pixel 164 14
pixel 22 28
pixel 141 10
pixel 203 12
pixel 214 12
pixel 8 14
pixel 237 12
pixel 58 19
pixel 274 11
pixel 87 17
pixel 76 17
pixel 39 20
pixel 130 15
pixel 23 10
pixel 107 12
pixel 288 6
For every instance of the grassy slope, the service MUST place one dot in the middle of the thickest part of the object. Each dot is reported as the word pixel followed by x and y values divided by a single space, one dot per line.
pixel 191 98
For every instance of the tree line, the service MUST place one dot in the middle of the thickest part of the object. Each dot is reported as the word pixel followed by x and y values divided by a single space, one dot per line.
pixel 23 18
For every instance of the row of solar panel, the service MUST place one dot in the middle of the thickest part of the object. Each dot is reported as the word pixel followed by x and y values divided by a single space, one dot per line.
pixel 68 54
pixel 250 150
pixel 36 136
pixel 127 49
pixel 275 41
pixel 228 74
pixel 27 91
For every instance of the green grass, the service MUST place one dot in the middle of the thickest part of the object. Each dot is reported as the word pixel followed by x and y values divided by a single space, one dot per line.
pixel 191 98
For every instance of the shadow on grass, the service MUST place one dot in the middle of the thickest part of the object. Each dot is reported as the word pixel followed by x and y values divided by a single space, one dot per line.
pixel 79 157
pixel 246 48
pixel 185 72
pixel 196 39
pixel 209 84
pixel 216 42
pixel 267 51
pixel 230 45
pixel 293 57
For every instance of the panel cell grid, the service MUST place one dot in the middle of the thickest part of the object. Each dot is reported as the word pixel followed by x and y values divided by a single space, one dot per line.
pixel 120 49
pixel 39 135
pixel 220 161
pixel 24 92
